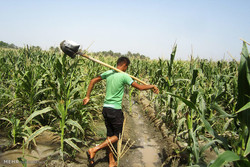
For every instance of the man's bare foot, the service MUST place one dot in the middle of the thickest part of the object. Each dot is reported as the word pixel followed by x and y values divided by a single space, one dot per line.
pixel 91 155
pixel 112 164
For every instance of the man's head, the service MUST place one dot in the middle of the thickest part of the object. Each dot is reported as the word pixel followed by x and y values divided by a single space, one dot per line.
pixel 122 63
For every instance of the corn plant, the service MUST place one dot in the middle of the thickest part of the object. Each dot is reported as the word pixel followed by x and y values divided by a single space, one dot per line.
pixel 241 149
pixel 38 88
pixel 16 130
pixel 197 116
pixel 64 88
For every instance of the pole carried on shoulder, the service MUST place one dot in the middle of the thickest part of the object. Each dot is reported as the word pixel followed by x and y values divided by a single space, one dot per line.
pixel 71 49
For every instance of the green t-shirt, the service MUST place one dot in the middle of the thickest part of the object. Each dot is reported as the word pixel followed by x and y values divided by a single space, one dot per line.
pixel 115 88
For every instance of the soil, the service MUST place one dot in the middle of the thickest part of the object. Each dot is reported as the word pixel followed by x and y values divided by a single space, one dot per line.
pixel 150 148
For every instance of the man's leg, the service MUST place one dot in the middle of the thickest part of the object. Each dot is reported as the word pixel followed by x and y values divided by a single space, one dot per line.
pixel 112 162
pixel 92 151
pixel 113 122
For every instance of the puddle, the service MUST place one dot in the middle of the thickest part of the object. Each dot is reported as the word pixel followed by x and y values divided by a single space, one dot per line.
pixel 149 148
pixel 47 143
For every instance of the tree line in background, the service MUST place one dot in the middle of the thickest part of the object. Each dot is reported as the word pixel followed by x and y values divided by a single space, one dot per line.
pixel 6 45
pixel 102 53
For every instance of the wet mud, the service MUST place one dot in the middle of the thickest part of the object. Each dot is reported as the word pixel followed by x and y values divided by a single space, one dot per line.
pixel 145 152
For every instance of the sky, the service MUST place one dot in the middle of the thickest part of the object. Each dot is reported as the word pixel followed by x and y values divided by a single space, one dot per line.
pixel 208 29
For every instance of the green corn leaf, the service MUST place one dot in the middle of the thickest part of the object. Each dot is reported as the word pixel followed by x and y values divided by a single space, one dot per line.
pixel 170 65
pixel 244 86
pixel 212 131
pixel 38 83
pixel 203 148
pixel 17 121
pixel 6 119
pixel 73 145
pixel 207 126
pixel 187 102
pixel 12 101
pixel 59 65
pixel 60 109
pixel 245 107
pixel 195 147
pixel 46 101
pixel 225 157
pixel 197 129
pixel 227 124
pixel 77 80
pixel 23 161
pixel 7 95
pixel 247 151
pixel 216 107
pixel 195 74
pixel 76 140
pixel 202 106
pixel 76 124
pixel 41 91
pixel 29 130
pixel 194 96
pixel 180 123
pixel 67 104
pixel 36 133
pixel 74 91
pixel 182 80
pixel 61 85
pixel 73 102
pixel 36 113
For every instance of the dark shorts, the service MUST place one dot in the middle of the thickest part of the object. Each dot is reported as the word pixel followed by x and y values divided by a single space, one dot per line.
pixel 113 120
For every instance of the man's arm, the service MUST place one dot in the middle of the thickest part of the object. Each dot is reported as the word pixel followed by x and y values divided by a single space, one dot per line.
pixel 145 87
pixel 91 85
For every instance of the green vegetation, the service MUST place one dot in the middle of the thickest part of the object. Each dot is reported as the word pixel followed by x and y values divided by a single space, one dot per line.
pixel 43 90
pixel 199 100
pixel 206 101
pixel 6 45
pixel 114 54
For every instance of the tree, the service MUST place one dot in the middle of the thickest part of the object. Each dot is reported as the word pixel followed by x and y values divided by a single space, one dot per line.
pixel 6 45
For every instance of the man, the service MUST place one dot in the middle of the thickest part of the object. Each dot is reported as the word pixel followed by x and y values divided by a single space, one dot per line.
pixel 112 112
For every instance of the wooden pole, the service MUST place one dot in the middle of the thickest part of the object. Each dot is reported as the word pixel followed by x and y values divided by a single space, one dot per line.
pixel 109 66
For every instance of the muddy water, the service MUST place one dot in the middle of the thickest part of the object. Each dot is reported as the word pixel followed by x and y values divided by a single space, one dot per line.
pixel 47 143
pixel 148 147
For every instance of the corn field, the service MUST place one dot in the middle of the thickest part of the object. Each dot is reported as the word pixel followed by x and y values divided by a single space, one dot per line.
pixel 199 100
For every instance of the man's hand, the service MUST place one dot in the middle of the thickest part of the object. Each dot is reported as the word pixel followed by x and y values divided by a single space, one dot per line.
pixel 85 100
pixel 155 90
pixel 91 85
pixel 145 87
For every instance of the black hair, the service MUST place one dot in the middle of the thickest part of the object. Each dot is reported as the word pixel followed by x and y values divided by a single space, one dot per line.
pixel 122 60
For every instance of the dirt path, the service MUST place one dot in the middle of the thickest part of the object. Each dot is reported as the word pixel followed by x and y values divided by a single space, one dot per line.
pixel 149 149
pixel 145 151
